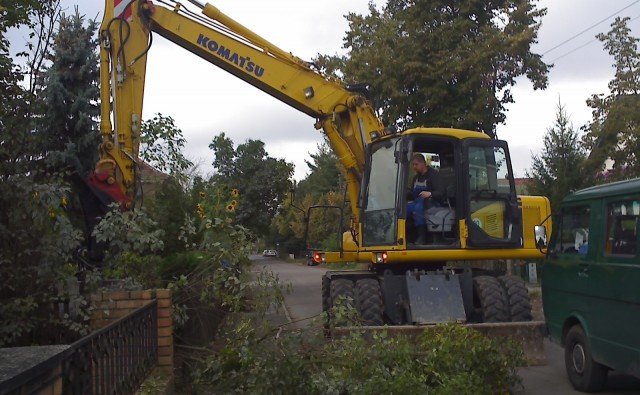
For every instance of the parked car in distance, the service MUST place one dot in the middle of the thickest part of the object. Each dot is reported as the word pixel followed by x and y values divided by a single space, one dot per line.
pixel 269 253
pixel 591 282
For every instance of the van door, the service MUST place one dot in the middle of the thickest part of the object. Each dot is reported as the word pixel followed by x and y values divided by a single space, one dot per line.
pixel 614 288
pixel 566 270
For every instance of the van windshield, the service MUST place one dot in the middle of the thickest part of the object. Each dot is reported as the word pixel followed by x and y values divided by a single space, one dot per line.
pixel 574 231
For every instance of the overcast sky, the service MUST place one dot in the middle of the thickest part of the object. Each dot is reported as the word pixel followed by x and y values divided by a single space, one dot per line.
pixel 205 100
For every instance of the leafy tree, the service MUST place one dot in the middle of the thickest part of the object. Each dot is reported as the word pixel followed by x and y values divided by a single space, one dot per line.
pixel 20 105
pixel 170 205
pixel 161 146
pixel 323 224
pixel 71 96
pixel 444 63
pixel 615 129
pixel 288 226
pixel 131 230
pixel 558 169
pixel 263 181
pixel 224 157
pixel 324 173
pixel 322 186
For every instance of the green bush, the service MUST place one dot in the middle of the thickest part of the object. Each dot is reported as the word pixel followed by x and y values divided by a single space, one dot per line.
pixel 448 359
pixel 173 266
pixel 141 269
pixel 37 244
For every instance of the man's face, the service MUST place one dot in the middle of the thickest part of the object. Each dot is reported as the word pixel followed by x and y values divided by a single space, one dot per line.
pixel 418 166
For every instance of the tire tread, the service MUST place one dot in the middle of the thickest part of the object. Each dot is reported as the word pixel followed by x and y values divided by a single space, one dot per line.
pixel 519 302
pixel 369 301
pixel 493 301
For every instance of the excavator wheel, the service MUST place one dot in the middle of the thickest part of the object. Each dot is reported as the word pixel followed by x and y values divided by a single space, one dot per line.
pixel 518 298
pixel 490 298
pixel 369 301
pixel 338 288
pixel 326 293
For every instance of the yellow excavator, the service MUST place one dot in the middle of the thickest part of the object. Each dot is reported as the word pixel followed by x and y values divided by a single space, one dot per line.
pixel 413 279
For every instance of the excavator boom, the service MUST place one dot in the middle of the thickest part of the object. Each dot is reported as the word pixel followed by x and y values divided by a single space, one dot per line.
pixel 126 34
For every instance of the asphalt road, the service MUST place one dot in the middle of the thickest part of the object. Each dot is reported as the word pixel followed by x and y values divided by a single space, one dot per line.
pixel 305 302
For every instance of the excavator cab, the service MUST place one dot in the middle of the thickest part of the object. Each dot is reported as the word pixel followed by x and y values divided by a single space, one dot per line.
pixel 475 207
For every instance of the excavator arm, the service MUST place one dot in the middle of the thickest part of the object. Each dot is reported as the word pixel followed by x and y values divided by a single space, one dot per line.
pixel 126 34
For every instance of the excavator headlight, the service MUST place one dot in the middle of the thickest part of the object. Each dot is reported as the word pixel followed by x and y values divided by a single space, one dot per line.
pixel 381 257
pixel 308 92
pixel 374 135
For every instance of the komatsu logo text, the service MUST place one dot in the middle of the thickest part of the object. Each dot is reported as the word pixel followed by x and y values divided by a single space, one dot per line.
pixel 244 63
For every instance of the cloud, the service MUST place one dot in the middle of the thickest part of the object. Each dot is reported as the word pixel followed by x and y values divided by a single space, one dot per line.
pixel 567 18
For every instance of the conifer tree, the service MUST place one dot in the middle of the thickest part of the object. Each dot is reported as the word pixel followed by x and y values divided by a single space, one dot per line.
pixel 557 170
pixel 72 95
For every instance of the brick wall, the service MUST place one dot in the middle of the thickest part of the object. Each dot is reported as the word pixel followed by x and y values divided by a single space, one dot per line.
pixel 110 306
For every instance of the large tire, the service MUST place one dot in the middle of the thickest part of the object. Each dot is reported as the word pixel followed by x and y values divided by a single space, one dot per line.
pixel 519 303
pixel 490 299
pixel 584 373
pixel 341 288
pixel 369 301
pixel 326 293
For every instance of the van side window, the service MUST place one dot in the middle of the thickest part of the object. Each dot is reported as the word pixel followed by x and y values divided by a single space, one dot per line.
pixel 574 231
pixel 622 224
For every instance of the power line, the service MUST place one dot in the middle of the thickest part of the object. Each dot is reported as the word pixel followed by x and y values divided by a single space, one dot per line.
pixel 589 28
pixel 573 50
pixel 583 45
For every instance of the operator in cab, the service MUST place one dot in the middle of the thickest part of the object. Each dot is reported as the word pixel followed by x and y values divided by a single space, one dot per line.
pixel 426 191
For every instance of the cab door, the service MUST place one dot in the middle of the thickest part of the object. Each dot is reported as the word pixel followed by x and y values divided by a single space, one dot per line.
pixel 493 217
pixel 380 194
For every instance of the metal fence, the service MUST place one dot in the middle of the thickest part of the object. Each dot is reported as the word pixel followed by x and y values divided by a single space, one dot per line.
pixel 115 359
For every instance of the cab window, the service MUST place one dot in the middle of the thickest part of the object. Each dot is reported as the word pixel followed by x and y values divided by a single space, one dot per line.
pixel 380 203
pixel 622 224
pixel 574 231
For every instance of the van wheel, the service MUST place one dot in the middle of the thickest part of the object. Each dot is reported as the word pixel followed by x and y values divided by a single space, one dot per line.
pixel 519 303
pixel 369 301
pixel 584 373
pixel 490 299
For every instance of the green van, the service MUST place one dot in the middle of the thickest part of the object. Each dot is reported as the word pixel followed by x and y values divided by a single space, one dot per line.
pixel 591 283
